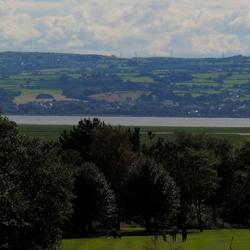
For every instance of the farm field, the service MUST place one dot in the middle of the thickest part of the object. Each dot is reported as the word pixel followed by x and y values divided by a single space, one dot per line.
pixel 207 240
pixel 52 132
pixel 45 132
pixel 65 84
pixel 48 81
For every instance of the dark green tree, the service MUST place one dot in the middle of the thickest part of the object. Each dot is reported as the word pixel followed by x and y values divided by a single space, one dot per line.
pixel 154 196
pixel 35 192
pixel 80 137
pixel 237 205
pixel 204 160
pixel 224 151
pixel 95 201
pixel 134 138
pixel 198 178
pixel 64 78
pixel 112 152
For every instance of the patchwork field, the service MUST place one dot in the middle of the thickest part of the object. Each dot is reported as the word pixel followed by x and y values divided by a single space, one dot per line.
pixel 48 81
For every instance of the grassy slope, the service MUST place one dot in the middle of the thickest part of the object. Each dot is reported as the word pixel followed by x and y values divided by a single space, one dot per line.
pixel 207 240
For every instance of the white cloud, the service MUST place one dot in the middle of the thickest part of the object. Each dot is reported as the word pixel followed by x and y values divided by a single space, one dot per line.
pixel 15 28
pixel 29 6
pixel 190 28
pixel 216 44
pixel 75 44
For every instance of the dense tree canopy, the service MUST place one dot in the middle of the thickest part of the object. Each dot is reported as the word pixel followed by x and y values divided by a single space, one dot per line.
pixel 200 174
pixel 101 175
pixel 94 199
pixel 35 192
pixel 154 195
pixel 110 149
pixel 80 137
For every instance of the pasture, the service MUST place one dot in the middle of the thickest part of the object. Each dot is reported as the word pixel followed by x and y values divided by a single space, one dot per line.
pixel 52 132
pixel 47 81
pixel 45 132
pixel 31 97
pixel 237 239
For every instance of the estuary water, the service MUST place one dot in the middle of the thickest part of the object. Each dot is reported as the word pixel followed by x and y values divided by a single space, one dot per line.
pixel 135 121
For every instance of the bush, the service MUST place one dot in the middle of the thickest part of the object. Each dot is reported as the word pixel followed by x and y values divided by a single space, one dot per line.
pixel 44 96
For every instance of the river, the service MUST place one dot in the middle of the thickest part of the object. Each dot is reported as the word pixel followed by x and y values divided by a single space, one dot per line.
pixel 135 121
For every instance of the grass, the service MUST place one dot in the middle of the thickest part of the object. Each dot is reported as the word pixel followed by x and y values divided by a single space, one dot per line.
pixel 207 240
pixel 119 95
pixel 132 94
pixel 52 132
pixel 22 99
pixel 45 132
pixel 202 80
pixel 142 79
pixel 57 70
pixel 239 77
pixel 75 76
pixel 232 134
pixel 234 81
pixel 207 75
pixel 48 80
pixel 39 91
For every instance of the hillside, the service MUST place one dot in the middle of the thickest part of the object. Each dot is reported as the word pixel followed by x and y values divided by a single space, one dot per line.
pixel 73 84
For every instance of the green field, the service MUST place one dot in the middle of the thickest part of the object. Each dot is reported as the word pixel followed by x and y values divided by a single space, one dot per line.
pixel 45 132
pixel 52 132
pixel 225 78
pixel 207 240
pixel 46 80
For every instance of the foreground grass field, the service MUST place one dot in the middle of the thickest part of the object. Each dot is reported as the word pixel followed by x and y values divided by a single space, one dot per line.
pixel 207 240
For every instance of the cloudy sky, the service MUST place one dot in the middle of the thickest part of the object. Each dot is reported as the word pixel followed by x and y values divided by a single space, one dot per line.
pixel 181 28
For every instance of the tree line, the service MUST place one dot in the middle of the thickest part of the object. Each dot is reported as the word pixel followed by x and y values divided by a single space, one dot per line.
pixel 97 175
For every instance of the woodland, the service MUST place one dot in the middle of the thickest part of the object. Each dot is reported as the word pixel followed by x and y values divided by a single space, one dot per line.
pixel 96 176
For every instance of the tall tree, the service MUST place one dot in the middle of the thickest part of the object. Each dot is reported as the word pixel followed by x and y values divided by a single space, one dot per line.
pixel 134 138
pixel 237 205
pixel 198 179
pixel 224 151
pixel 154 195
pixel 112 152
pixel 35 192
pixel 196 156
pixel 94 199
pixel 80 137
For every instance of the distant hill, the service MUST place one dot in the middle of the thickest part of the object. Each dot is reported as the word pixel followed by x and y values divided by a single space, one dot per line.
pixel 74 84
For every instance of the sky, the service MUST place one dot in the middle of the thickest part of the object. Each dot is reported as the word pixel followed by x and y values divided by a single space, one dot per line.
pixel 127 28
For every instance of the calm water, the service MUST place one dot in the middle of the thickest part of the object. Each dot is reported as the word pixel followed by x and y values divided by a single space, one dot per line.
pixel 136 121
